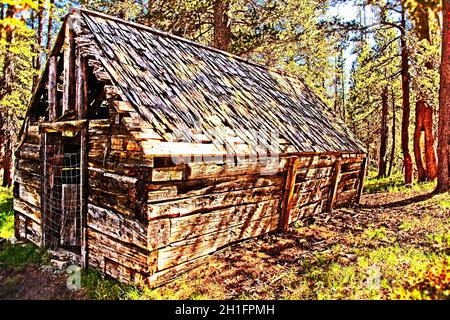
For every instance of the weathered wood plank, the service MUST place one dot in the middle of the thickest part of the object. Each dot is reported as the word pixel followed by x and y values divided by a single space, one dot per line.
pixel 33 231
pixel 29 166
pixel 334 185
pixel 190 249
pixel 346 197
pixel 362 175
pixel 51 86
pixel 162 277
pixel 32 135
pixel 74 125
pixel 27 209
pixel 123 106
pixel 30 195
pixel 158 192
pixel 27 178
pixel 163 148
pixel 191 226
pixel 215 201
pixel 288 193
pixel 306 210
pixel 211 170
pixel 29 151
pixel 102 246
pixel 68 71
pixel 117 226
pixel 70 221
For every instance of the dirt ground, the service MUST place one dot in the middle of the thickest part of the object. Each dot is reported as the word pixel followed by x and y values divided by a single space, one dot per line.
pixel 36 283
pixel 268 267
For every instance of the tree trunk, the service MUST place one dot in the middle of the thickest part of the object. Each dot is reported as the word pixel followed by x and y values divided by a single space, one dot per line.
pixel 7 161
pixel 6 80
pixel 382 163
pixel 222 25
pixel 424 148
pixel 6 86
pixel 2 139
pixel 443 184
pixel 418 143
pixel 406 109
pixel 40 36
pixel 50 25
pixel 422 22
pixel 391 160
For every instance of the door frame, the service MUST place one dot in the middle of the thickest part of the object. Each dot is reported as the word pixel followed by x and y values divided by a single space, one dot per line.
pixel 60 127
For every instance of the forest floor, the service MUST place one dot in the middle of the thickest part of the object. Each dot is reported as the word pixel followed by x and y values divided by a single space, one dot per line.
pixel 395 245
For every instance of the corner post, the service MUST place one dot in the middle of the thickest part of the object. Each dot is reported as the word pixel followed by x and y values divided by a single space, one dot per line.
pixel 362 174
pixel 288 193
pixel 52 88
pixel 69 71
pixel 81 100
pixel 334 185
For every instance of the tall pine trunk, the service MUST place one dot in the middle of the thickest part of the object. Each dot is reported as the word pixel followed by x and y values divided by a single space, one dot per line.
pixel 382 161
pixel 222 25
pixel 7 161
pixel 6 86
pixel 40 36
pixel 424 152
pixel 392 157
pixel 50 25
pixel 406 108
pixel 443 184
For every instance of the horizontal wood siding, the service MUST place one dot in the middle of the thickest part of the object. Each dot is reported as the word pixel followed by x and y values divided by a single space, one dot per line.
pixel 27 187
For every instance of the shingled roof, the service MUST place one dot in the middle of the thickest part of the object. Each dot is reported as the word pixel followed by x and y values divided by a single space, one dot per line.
pixel 183 88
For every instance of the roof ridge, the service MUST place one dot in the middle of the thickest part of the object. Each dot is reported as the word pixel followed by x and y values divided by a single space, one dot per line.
pixel 206 47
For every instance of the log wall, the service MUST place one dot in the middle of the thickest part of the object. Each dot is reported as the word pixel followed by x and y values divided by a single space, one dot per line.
pixel 27 187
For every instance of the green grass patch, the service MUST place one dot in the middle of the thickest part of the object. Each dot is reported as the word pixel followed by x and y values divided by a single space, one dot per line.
pixel 373 184
pixel 96 287
pixel 21 255
pixel 395 183
pixel 6 213
pixel 383 273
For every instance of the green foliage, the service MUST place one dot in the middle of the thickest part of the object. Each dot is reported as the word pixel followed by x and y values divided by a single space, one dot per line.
pixel 374 184
pixel 6 213
pixel 430 282
pixel 96 287
pixel 21 255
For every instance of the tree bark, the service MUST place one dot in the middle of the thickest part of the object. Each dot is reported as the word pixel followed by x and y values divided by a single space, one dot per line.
pixel 418 145
pixel 406 108
pixel 40 36
pixel 424 150
pixel 222 25
pixel 428 170
pixel 50 25
pixel 422 22
pixel 443 184
pixel 382 163
pixel 7 161
pixel 6 86
pixel 391 160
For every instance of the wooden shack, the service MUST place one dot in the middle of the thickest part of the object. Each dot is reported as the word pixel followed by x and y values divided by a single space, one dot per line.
pixel 142 152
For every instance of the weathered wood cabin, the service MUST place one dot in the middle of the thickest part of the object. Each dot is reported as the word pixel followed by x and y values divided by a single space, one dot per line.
pixel 143 152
